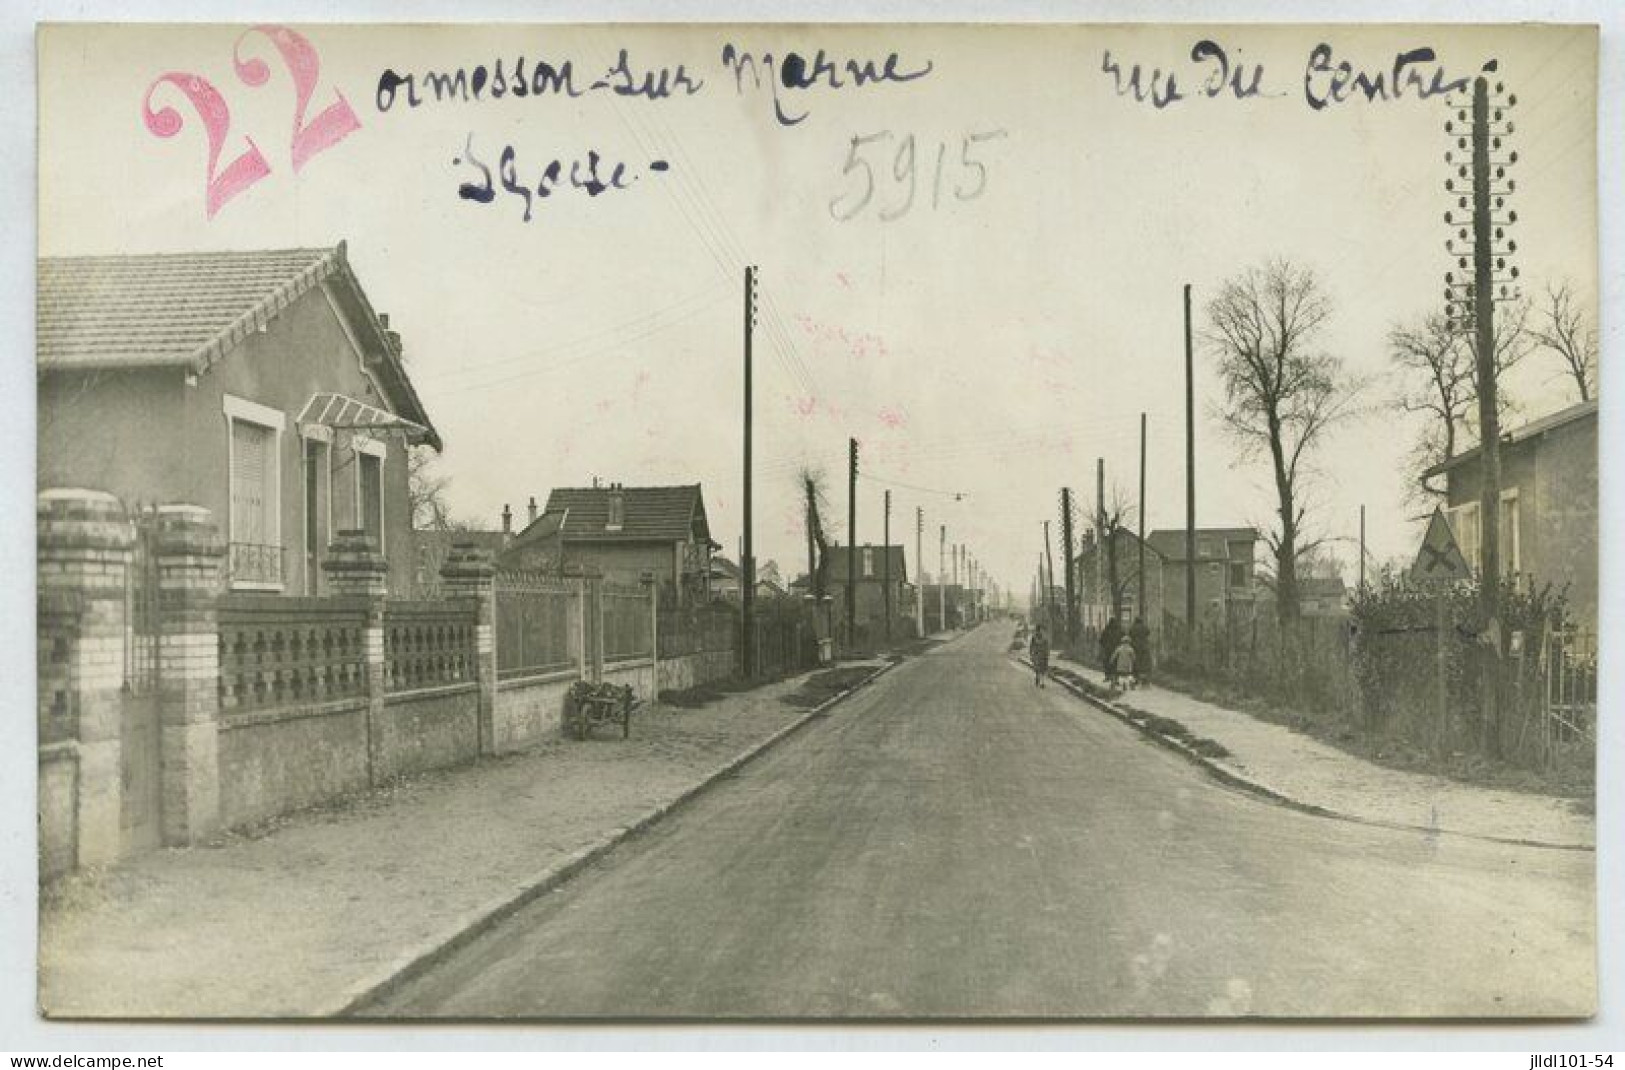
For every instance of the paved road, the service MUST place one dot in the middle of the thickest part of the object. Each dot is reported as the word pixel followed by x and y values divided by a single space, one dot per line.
pixel 955 842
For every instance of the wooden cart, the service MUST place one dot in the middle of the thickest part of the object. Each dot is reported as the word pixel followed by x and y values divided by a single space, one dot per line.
pixel 591 705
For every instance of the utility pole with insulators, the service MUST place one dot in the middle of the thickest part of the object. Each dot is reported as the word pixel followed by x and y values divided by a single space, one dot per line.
pixel 1479 242
pixel 885 563
pixel 1070 567
pixel 747 564
pixel 851 541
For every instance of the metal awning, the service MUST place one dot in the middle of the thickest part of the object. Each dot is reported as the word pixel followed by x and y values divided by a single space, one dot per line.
pixel 341 412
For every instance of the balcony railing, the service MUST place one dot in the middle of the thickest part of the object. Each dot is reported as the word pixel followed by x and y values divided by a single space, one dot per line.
pixel 252 563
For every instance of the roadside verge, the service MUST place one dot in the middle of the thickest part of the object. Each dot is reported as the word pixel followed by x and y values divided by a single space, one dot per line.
pixel 1354 790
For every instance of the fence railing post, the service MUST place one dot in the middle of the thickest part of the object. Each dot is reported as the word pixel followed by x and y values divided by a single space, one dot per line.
pixel 355 569
pixel 84 556
pixel 189 552
pixel 469 573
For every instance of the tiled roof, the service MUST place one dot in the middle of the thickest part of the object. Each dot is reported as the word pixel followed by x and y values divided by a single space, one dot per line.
pixel 181 309
pixel 1170 543
pixel 837 564
pixel 658 514
pixel 1532 429
pixel 188 310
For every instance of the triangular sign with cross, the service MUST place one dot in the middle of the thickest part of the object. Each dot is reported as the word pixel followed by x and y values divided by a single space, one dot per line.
pixel 1439 558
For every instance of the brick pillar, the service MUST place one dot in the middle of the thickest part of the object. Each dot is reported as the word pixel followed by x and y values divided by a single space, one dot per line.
pixel 84 555
pixel 469 573
pixel 189 552
pixel 355 569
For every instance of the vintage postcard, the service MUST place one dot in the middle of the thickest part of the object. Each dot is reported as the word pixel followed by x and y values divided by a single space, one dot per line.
pixel 817 521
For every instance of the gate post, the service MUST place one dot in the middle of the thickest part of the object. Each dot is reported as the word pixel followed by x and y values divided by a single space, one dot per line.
pixel 188 553
pixel 84 541
pixel 355 569
pixel 469 573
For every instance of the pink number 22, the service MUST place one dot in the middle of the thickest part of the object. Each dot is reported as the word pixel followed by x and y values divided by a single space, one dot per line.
pixel 335 122
pixel 219 186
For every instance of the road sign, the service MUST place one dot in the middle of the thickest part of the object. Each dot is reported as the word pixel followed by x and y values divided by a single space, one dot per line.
pixel 1439 558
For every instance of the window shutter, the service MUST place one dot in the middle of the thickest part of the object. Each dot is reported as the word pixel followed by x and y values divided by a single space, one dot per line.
pixel 250 483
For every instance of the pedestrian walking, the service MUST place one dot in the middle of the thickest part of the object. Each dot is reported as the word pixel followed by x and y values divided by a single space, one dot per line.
pixel 1140 634
pixel 1038 653
pixel 1109 636
pixel 1123 661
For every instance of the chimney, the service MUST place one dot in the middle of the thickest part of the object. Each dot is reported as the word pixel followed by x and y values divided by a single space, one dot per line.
pixel 532 509
pixel 383 318
pixel 507 519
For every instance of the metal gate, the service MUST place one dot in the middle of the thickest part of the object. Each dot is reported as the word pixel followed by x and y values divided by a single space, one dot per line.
pixel 140 794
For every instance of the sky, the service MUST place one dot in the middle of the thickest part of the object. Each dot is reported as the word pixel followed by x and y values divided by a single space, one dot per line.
pixel 986 337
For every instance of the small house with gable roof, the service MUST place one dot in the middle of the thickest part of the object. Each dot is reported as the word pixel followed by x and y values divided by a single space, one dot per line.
pixel 261 385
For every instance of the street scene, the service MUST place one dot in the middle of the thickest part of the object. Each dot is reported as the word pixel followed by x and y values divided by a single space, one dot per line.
pixel 713 523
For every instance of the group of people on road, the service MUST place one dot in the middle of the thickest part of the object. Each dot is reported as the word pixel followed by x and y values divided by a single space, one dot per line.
pixel 1125 654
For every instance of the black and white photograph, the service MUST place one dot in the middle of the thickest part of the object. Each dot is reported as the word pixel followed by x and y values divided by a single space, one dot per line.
pixel 817 522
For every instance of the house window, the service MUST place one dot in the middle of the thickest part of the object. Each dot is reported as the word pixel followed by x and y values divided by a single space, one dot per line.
pixel 370 496
pixel 868 562
pixel 253 437
pixel 1238 574
pixel 617 512
pixel 1464 525
pixel 1511 559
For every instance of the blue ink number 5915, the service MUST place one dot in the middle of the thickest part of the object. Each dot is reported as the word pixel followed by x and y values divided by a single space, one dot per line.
pixel 902 166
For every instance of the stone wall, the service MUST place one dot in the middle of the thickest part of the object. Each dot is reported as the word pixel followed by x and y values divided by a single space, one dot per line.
pixel 285 760
pixel 428 730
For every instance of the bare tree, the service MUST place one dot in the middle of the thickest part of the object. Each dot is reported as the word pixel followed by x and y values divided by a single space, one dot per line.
pixel 426 492
pixel 812 488
pixel 1281 390
pixel 1112 522
pixel 1438 380
pixel 1564 328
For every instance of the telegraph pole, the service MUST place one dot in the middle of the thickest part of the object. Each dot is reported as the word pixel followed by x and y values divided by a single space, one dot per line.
pixel 1049 597
pixel 747 564
pixel 851 540
pixel 1071 568
pixel 1190 473
pixel 1139 600
pixel 885 563
pixel 1472 307
pixel 919 568
pixel 942 578
pixel 1362 548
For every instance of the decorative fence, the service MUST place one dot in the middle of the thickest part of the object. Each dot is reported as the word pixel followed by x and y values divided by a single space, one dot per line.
pixel 279 651
pixel 627 621
pixel 698 629
pixel 536 628
pixel 428 644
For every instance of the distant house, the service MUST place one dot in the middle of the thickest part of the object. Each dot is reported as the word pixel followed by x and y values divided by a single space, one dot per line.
pixel 1226 576
pixel 725 583
pixel 1322 596
pixel 261 385
pixel 538 546
pixel 1092 579
pixel 876 566
pixel 1548 504
pixel 629 532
